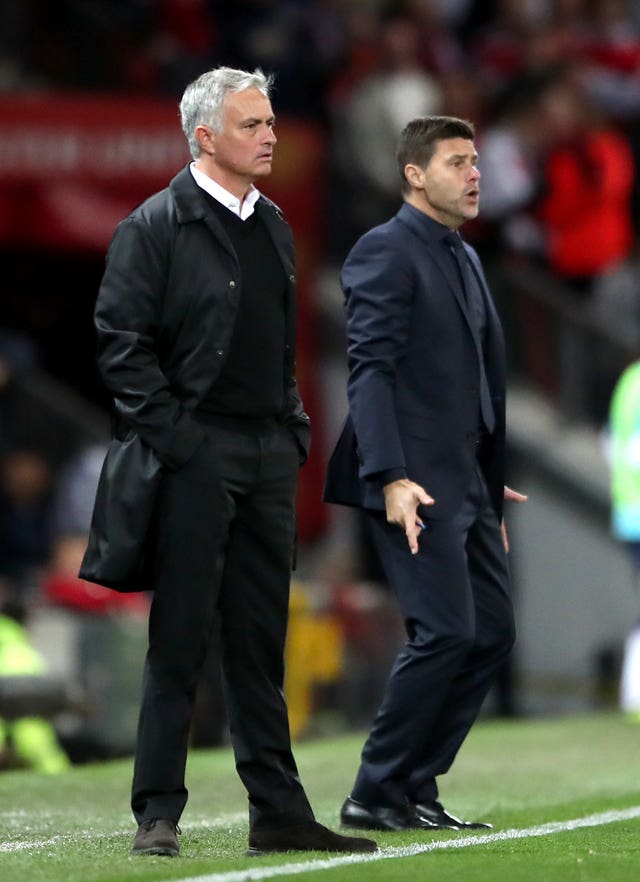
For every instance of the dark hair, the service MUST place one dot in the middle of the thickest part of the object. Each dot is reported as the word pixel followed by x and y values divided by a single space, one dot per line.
pixel 419 137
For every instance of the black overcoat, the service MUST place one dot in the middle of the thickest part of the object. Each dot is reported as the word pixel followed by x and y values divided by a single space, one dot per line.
pixel 164 316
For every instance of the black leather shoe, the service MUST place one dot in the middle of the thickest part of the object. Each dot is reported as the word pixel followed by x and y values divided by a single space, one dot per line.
pixel 381 817
pixel 308 836
pixel 157 836
pixel 440 818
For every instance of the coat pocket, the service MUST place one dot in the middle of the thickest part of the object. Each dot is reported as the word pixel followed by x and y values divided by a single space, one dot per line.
pixel 116 554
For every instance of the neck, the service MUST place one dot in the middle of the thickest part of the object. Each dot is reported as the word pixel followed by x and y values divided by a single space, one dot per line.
pixel 238 187
pixel 417 200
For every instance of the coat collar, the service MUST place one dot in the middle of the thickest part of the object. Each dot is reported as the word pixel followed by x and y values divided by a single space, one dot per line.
pixel 190 206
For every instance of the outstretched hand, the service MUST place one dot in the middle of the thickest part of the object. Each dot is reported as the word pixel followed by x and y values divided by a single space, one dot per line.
pixel 402 499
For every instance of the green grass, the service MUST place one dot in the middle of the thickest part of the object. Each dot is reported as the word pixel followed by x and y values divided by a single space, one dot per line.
pixel 77 827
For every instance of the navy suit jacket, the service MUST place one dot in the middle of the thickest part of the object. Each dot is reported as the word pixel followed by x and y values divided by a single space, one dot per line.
pixel 414 371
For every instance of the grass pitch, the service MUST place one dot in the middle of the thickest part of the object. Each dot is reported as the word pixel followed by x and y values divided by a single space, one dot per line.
pixel 521 775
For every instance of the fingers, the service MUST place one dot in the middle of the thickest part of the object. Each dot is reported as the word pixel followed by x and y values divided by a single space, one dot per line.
pixel 402 499
pixel 505 537
pixel 412 532
pixel 422 496
pixel 513 495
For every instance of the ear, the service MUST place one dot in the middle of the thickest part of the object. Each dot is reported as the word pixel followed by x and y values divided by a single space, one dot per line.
pixel 206 139
pixel 415 176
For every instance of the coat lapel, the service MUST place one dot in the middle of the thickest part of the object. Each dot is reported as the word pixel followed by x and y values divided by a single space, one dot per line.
pixel 280 233
pixel 190 206
pixel 278 228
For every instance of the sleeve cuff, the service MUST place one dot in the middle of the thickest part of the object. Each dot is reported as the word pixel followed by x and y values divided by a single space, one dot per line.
pixel 387 476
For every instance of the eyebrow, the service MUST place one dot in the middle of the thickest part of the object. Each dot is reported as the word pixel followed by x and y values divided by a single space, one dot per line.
pixel 255 119
pixel 455 156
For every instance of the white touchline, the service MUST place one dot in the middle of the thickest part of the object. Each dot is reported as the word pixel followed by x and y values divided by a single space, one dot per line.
pixel 258 873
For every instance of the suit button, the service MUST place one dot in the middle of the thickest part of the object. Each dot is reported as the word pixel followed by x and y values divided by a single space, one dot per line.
pixel 219 352
pixel 292 279
pixel 232 284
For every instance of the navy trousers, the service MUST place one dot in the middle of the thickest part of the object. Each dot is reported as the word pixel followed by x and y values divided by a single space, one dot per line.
pixel 455 598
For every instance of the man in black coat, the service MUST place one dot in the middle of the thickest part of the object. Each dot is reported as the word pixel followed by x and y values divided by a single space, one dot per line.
pixel 422 451
pixel 196 337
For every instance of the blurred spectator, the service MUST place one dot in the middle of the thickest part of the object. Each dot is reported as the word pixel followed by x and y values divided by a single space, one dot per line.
pixel 29 741
pixel 463 95
pixel 366 128
pixel 106 640
pixel 25 509
pixel 616 301
pixel 586 210
pixel 501 47
pixel 362 51
pixel 314 653
pixel 62 587
pixel 303 40
pixel 76 485
pixel 14 38
pixel 17 356
pixel 439 49
pixel 179 40
pixel 611 55
pixel 624 427
pixel 513 148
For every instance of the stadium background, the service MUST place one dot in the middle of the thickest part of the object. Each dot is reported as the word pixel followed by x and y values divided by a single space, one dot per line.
pixel 89 128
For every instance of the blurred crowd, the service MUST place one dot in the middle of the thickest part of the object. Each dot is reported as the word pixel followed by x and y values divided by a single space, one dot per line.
pixel 553 87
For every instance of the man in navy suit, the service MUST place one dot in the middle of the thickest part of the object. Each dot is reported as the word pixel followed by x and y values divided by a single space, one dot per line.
pixel 422 451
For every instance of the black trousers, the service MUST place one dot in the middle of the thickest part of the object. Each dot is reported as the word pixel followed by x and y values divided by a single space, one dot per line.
pixel 224 534
pixel 455 599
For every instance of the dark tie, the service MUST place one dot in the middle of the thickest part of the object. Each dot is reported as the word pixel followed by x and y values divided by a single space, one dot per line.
pixel 475 310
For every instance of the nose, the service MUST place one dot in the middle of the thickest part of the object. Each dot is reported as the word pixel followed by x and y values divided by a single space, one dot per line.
pixel 475 173
pixel 270 136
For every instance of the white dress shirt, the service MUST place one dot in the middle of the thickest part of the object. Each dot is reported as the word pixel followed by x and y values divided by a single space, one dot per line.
pixel 243 209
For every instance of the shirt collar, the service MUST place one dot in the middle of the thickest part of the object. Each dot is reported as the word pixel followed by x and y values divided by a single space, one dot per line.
pixel 224 197
pixel 433 228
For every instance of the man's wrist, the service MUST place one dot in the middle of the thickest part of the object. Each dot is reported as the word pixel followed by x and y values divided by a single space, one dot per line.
pixel 388 476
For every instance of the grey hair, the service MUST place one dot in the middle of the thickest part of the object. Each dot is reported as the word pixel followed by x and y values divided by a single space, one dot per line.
pixel 201 102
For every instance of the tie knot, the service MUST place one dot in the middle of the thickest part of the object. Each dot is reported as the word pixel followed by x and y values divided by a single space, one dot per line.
pixel 453 240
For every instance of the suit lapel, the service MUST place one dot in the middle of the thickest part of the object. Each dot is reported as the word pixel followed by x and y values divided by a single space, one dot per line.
pixel 448 269
pixel 445 263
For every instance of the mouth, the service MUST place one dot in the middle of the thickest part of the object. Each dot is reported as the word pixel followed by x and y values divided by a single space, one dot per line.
pixel 473 194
